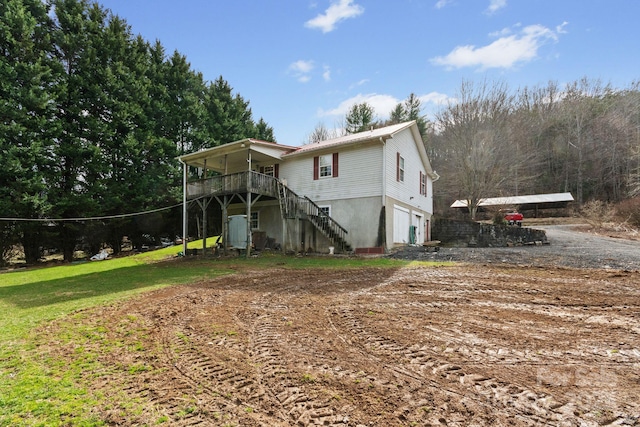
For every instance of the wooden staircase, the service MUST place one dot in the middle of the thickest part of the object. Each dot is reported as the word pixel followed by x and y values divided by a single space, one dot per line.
pixel 293 206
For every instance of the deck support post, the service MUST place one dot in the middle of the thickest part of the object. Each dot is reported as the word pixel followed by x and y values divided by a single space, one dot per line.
pixel 225 224
pixel 248 224
pixel 249 187
pixel 284 235
pixel 185 212
pixel 224 203
pixel 205 204
pixel 204 226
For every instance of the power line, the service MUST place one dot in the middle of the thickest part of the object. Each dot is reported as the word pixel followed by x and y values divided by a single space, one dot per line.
pixel 92 218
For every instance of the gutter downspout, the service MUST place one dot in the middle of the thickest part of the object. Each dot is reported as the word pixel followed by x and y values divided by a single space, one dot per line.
pixel 184 206
pixel 384 171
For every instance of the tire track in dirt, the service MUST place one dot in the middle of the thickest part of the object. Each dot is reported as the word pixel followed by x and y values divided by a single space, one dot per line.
pixel 207 382
pixel 510 397
pixel 419 368
pixel 277 374
pixel 301 408
pixel 394 374
pixel 449 346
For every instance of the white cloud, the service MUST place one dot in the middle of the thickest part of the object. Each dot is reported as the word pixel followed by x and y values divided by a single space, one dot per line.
pixel 338 11
pixel 326 74
pixel 301 69
pixel 495 5
pixel 442 3
pixel 382 105
pixel 560 28
pixel 301 66
pixel 505 52
pixel 359 83
pixel 503 32
pixel 435 98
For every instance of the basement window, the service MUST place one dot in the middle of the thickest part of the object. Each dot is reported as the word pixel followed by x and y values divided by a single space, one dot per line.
pixel 255 220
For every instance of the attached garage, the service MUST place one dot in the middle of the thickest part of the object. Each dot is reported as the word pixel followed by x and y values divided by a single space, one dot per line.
pixel 401 223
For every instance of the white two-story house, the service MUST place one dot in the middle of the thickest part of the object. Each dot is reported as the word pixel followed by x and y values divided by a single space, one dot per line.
pixel 364 192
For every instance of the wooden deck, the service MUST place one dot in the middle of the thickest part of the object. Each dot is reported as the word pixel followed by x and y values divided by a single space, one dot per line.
pixel 241 182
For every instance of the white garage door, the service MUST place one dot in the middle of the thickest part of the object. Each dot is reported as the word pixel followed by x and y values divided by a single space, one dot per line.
pixel 401 222
pixel 417 222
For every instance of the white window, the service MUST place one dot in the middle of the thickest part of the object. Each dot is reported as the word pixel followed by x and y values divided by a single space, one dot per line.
pixel 324 210
pixel 401 169
pixel 423 184
pixel 269 170
pixel 326 165
pixel 255 220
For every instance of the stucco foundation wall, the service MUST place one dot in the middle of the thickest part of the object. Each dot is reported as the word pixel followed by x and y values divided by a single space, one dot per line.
pixel 360 217
pixel 269 218
pixel 467 233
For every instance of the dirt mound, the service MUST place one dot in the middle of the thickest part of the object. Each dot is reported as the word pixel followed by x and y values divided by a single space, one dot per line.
pixel 465 345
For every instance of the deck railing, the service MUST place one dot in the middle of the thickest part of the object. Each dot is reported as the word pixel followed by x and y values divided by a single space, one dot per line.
pixel 240 182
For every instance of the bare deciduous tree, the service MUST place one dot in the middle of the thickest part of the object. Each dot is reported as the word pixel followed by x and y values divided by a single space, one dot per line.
pixel 322 133
pixel 475 132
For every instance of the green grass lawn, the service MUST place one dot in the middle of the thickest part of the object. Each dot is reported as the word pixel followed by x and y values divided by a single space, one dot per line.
pixel 35 389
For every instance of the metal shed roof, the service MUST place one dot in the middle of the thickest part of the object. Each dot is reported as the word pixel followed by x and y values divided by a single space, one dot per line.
pixel 519 200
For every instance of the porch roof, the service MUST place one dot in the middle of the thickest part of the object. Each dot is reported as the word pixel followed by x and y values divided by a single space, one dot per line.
pixel 234 155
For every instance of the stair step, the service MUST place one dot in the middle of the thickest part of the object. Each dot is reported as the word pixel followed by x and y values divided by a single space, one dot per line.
pixel 293 206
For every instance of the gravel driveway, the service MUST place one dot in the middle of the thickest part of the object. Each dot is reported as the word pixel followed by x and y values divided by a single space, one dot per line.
pixel 568 247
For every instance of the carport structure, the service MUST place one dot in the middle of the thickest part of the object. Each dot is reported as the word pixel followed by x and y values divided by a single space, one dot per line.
pixel 530 202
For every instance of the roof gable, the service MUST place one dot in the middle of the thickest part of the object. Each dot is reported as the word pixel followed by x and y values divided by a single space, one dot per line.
pixel 370 136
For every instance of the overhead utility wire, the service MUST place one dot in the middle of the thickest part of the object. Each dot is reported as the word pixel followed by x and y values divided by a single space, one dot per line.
pixel 92 218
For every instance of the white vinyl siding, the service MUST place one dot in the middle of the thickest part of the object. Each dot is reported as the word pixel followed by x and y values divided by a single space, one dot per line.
pixel 360 175
pixel 403 161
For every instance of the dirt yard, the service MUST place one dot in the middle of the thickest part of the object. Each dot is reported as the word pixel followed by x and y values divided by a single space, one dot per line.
pixel 482 345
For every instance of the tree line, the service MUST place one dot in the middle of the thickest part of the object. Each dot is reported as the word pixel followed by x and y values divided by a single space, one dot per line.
pixel 93 117
pixel 492 141
pixel 582 137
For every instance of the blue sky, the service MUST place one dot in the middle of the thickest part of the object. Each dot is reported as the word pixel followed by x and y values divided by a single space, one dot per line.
pixel 304 62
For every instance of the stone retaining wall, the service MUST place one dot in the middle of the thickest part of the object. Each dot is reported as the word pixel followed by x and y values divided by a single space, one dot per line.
pixel 468 233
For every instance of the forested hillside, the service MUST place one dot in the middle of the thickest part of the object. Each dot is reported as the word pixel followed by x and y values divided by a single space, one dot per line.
pixel 92 120
pixel 582 137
